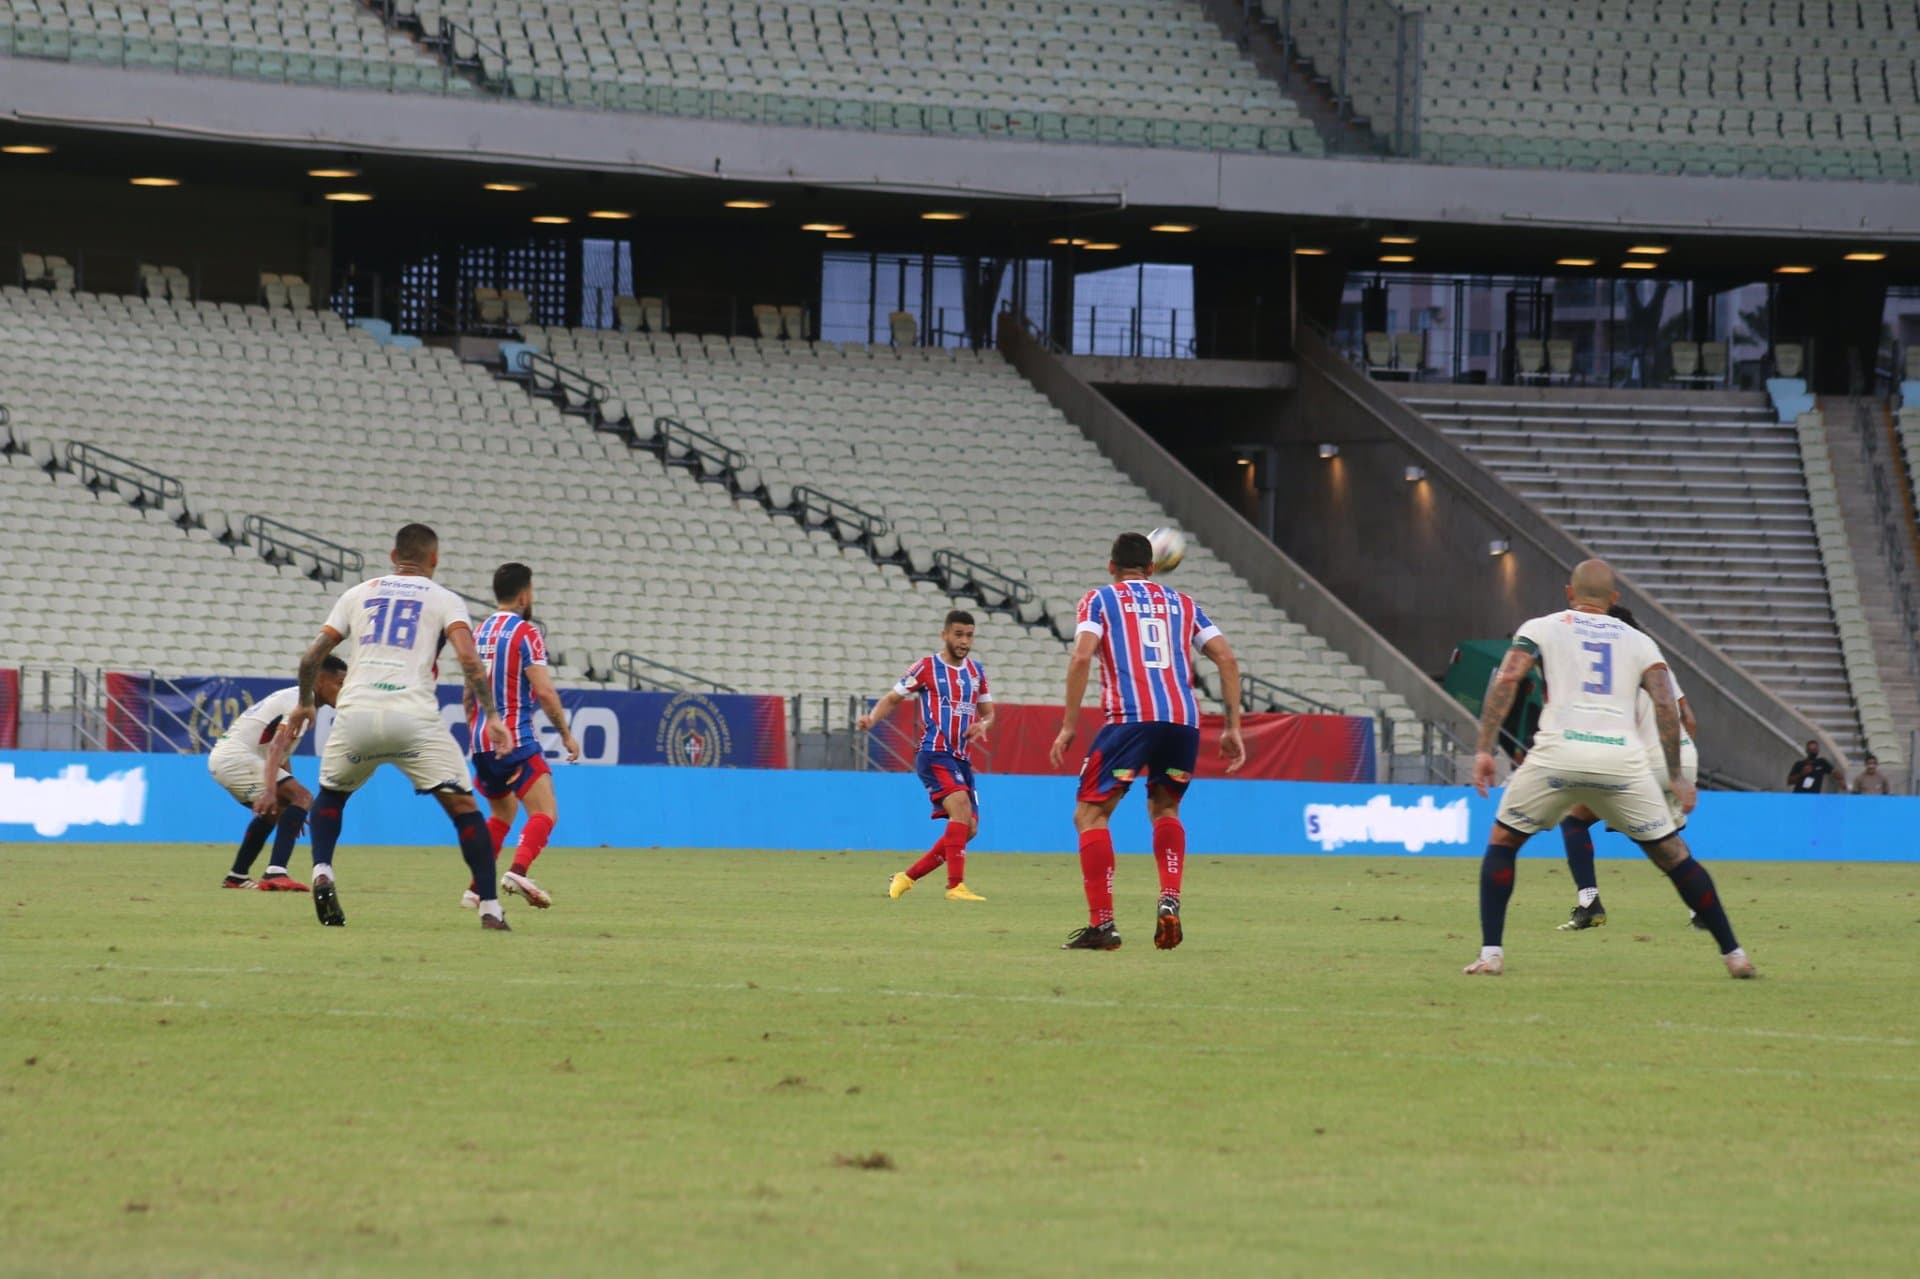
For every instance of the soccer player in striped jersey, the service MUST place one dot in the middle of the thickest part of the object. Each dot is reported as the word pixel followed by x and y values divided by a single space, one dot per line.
pixel 1143 634
pixel 956 711
pixel 250 763
pixel 516 658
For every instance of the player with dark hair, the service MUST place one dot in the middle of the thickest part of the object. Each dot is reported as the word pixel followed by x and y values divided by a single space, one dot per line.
pixel 250 763
pixel 1143 634
pixel 388 712
pixel 516 657
pixel 956 713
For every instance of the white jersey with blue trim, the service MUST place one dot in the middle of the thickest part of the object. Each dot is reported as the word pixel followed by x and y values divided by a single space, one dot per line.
pixel 1592 665
pixel 398 624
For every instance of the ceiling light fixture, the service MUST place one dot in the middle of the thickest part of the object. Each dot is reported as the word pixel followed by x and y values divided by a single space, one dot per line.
pixel 1396 257
pixel 154 182
pixel 1638 266
pixel 943 215
pixel 26 148
pixel 552 219
pixel 348 197
pixel 1304 252
pixel 839 235
pixel 1573 262
pixel 1865 255
pixel 333 173
pixel 1172 228
pixel 821 226
pixel 610 215
pixel 1098 248
pixel 749 204
pixel 1399 239
pixel 507 186
pixel 1651 250
pixel 1793 270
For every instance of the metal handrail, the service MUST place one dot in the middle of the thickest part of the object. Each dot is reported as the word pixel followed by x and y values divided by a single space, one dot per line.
pixel 1271 695
pixel 90 462
pixel 628 664
pixel 699 443
pixel 960 567
pixel 810 499
pixel 270 536
pixel 531 362
pixel 447 28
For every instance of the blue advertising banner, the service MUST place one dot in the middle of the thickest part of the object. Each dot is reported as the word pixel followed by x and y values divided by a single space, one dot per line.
pixel 187 715
pixel 170 798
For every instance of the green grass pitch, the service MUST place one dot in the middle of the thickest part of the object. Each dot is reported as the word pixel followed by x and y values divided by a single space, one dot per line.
pixel 716 1063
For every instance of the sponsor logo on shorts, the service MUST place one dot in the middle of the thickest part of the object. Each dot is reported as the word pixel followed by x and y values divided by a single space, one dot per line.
pixel 1641 828
pixel 1123 774
pixel 1381 821
pixel 1179 775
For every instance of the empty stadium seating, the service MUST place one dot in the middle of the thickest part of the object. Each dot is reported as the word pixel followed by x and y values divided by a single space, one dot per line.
pixel 1701 498
pixel 334 42
pixel 1780 88
pixel 1148 74
pixel 958 452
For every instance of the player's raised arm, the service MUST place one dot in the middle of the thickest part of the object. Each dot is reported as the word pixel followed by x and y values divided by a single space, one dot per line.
pixel 540 679
pixel 1079 670
pixel 1501 693
pixel 460 635
pixel 1233 747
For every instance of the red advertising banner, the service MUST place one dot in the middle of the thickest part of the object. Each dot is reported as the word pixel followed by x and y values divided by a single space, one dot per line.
pixel 1312 748
pixel 9 708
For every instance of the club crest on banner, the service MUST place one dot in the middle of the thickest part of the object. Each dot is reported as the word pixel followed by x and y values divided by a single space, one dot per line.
pixel 693 732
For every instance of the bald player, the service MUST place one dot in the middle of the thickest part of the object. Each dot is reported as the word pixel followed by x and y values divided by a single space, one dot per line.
pixel 1587 752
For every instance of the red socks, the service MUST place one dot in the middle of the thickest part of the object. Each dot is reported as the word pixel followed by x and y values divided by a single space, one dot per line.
pixel 498 830
pixel 533 838
pixel 1170 854
pixel 950 848
pixel 1096 872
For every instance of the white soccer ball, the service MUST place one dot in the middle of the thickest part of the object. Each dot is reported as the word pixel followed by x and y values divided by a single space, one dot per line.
pixel 1169 548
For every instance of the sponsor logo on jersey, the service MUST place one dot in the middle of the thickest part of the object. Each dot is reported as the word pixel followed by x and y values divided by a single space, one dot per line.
pixel 1595 739
pixel 1381 821
pixel 693 733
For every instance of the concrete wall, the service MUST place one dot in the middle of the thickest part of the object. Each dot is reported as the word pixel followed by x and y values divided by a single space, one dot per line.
pixel 33 91
pixel 1413 558
pixel 1224 530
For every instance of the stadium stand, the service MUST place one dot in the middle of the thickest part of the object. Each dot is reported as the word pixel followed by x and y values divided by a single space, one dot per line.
pixel 1753 87
pixel 854 421
pixel 335 42
pixel 1704 500
pixel 1139 73
pixel 282 413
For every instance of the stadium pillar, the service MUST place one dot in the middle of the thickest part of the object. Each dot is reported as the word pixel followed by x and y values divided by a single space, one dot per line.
pixel 1243 304
pixel 1838 318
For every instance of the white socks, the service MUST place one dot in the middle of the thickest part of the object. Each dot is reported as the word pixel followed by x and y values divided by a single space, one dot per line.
pixel 1492 952
pixel 1588 896
pixel 493 908
pixel 321 869
pixel 1738 952
pixel 276 870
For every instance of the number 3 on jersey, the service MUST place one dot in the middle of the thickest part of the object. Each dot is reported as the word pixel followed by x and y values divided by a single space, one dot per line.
pixel 1156 644
pixel 1602 668
pixel 395 623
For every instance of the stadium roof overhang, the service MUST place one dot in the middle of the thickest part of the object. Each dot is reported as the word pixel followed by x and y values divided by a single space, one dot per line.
pixel 430 156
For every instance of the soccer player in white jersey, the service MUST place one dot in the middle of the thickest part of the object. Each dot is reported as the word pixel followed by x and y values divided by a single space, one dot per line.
pixel 1588 752
pixel 1576 832
pixel 250 763
pixel 388 712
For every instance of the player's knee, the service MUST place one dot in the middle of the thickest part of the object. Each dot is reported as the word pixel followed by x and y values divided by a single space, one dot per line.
pixel 1666 853
pixel 456 804
pixel 294 795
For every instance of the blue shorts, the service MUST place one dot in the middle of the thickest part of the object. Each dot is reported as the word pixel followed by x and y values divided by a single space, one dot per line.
pixel 1121 754
pixel 943 775
pixel 496 777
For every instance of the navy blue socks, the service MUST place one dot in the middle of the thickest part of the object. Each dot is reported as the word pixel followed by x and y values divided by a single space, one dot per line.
pixel 1496 890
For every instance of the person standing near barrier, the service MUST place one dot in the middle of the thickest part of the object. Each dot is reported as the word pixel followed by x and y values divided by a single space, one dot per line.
pixel 956 714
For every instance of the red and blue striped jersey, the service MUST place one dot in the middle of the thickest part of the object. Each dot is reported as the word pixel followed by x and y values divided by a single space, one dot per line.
pixel 950 697
pixel 1147 634
pixel 509 644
